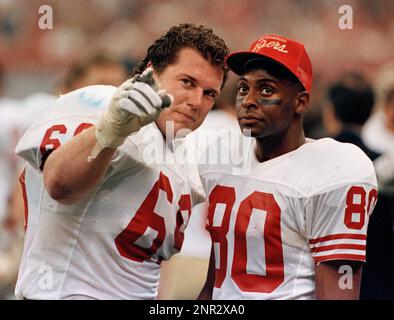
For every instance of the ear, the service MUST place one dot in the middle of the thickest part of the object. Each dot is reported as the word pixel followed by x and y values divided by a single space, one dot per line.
pixel 302 102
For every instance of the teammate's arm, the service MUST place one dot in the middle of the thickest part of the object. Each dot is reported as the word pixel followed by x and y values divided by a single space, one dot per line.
pixel 206 291
pixel 338 280
pixel 75 168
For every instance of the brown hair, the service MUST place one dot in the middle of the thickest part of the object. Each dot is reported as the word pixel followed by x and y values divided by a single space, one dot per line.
pixel 164 51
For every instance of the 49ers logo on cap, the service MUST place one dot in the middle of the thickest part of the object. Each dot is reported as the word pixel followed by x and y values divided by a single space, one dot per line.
pixel 276 45
pixel 289 53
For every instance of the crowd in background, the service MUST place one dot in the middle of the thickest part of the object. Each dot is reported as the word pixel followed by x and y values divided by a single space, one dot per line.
pixel 126 27
pixel 98 42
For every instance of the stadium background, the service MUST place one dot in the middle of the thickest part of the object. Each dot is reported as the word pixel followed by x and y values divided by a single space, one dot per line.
pixel 36 60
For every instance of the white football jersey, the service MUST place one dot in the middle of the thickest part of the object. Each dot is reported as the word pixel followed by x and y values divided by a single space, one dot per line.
pixel 110 244
pixel 218 123
pixel 270 224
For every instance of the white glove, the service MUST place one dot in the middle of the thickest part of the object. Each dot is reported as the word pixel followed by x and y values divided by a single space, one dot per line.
pixel 136 103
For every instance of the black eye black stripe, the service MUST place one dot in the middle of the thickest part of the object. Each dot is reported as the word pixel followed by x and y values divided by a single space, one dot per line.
pixel 269 101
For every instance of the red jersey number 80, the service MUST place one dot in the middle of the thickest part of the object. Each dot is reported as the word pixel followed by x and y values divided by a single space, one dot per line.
pixel 356 208
pixel 274 266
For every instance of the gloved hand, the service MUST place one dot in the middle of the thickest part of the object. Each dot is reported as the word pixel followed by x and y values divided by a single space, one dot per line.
pixel 136 103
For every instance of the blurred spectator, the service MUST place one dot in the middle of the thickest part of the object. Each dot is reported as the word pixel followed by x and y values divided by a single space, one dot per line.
pixel 351 101
pixel 384 167
pixel 378 132
pixel 10 247
pixel 100 68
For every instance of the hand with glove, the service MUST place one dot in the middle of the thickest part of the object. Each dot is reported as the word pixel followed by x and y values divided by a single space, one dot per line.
pixel 136 103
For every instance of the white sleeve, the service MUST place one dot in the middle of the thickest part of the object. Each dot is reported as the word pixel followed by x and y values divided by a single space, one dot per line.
pixel 337 222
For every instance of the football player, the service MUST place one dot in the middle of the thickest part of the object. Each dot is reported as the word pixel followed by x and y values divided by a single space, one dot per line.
pixel 294 225
pixel 104 206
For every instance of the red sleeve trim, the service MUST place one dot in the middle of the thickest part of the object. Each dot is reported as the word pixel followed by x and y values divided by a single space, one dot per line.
pixel 340 257
pixel 338 236
pixel 339 246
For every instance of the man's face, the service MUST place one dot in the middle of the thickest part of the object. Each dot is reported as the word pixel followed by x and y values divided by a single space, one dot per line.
pixel 194 83
pixel 265 104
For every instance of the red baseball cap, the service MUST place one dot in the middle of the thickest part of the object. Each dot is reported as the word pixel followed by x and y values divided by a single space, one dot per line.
pixel 289 53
